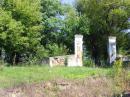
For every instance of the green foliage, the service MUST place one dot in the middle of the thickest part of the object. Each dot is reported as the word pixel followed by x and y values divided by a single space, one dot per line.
pixel 117 68
pixel 105 18
pixel 71 27
pixel 89 63
pixel 25 25
pixel 60 23
pixel 52 24
pixel 20 26
pixel 56 50
pixel 119 77
pixel 34 29
pixel 41 53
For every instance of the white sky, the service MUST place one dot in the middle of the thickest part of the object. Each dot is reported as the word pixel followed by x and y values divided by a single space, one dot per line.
pixel 68 1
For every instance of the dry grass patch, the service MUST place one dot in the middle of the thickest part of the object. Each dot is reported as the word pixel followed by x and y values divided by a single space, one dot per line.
pixel 89 87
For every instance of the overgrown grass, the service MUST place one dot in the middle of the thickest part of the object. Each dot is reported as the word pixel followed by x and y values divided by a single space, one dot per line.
pixel 13 76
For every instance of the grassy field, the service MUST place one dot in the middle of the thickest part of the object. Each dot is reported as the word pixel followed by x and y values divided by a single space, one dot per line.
pixel 13 76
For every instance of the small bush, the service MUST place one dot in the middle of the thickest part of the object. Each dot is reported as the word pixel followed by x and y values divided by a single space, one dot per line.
pixel 2 64
pixel 119 76
pixel 117 68
pixel 89 63
pixel 56 50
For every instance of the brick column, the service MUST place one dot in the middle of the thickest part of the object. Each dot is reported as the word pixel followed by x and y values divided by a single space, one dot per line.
pixel 112 49
pixel 78 50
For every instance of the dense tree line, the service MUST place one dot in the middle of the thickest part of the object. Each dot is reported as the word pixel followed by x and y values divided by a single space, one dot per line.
pixel 105 18
pixel 20 25
pixel 34 29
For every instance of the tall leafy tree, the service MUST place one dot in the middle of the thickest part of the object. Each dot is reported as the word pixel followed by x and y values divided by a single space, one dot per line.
pixel 20 27
pixel 71 27
pixel 105 18
pixel 58 23
pixel 51 9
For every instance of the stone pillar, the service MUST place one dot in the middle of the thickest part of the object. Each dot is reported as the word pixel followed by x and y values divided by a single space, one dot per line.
pixel 78 50
pixel 112 49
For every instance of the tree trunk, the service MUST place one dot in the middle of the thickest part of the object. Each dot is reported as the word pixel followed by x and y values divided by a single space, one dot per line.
pixel 14 58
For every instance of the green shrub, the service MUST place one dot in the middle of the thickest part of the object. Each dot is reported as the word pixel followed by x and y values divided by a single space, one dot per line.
pixel 2 64
pixel 117 68
pixel 119 77
pixel 89 63
pixel 56 50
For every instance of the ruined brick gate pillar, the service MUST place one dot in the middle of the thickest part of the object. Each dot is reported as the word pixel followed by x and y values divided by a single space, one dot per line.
pixel 70 60
pixel 78 50
pixel 112 49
